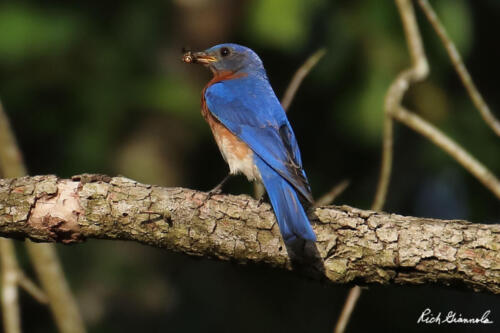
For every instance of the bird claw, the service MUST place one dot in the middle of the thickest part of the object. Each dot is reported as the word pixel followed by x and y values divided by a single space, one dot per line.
pixel 215 190
pixel 218 189
pixel 262 199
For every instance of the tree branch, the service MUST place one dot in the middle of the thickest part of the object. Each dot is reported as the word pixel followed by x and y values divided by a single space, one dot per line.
pixel 51 275
pixel 459 66
pixel 471 164
pixel 417 72
pixel 31 288
pixel 350 304
pixel 299 76
pixel 10 294
pixel 353 245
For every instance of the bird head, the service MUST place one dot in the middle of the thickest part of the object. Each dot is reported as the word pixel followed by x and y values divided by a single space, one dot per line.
pixel 227 58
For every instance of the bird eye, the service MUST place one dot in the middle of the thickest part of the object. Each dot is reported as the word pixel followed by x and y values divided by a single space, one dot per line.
pixel 224 51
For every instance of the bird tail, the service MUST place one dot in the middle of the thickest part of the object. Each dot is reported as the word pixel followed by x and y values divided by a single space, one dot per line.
pixel 291 216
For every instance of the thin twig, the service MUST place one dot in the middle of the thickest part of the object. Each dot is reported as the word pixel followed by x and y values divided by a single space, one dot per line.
pixel 417 72
pixel 476 168
pixel 386 164
pixel 348 308
pixel 330 196
pixel 299 76
pixel 11 159
pixel 459 66
pixel 31 288
pixel 62 303
pixel 10 295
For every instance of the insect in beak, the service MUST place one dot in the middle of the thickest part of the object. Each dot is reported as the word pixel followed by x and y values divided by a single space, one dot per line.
pixel 190 57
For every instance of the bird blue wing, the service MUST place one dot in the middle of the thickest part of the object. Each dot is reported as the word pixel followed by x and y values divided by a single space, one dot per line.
pixel 249 108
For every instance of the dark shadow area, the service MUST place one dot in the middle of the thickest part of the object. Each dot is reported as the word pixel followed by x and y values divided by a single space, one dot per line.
pixel 306 259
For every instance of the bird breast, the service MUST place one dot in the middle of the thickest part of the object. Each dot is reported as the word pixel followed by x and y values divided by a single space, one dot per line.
pixel 236 153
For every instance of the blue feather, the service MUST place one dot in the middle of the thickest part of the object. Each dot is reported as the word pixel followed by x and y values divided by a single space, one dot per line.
pixel 290 214
pixel 248 107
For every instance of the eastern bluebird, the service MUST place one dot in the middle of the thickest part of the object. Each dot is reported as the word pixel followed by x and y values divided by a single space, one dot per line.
pixel 253 132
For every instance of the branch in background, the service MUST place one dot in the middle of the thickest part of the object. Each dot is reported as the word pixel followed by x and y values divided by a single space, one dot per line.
pixel 350 304
pixel 331 195
pixel 394 109
pixel 299 76
pixel 43 256
pixel 10 268
pixel 385 164
pixel 485 176
pixel 31 288
pixel 353 245
pixel 417 72
pixel 10 294
pixel 49 271
pixel 459 66
pixel 11 158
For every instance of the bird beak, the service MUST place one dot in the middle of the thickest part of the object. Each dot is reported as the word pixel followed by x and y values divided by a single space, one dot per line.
pixel 198 57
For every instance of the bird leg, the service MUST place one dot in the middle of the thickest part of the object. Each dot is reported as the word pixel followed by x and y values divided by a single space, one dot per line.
pixel 263 197
pixel 218 189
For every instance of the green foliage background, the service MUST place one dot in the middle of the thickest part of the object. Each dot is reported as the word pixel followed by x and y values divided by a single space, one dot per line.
pixel 98 86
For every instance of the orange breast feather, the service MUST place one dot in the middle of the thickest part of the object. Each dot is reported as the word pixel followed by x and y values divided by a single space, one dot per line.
pixel 236 152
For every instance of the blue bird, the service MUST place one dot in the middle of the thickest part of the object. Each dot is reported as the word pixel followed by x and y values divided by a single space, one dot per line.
pixel 253 132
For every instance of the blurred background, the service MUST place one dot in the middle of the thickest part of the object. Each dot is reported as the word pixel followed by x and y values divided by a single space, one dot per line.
pixel 98 86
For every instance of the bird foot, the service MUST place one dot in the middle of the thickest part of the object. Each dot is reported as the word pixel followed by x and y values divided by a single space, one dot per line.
pixel 262 199
pixel 216 190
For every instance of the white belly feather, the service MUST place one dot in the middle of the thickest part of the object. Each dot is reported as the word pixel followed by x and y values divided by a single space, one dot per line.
pixel 237 163
pixel 236 153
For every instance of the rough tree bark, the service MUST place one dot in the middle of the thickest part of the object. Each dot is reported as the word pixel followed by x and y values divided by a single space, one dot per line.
pixel 353 245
